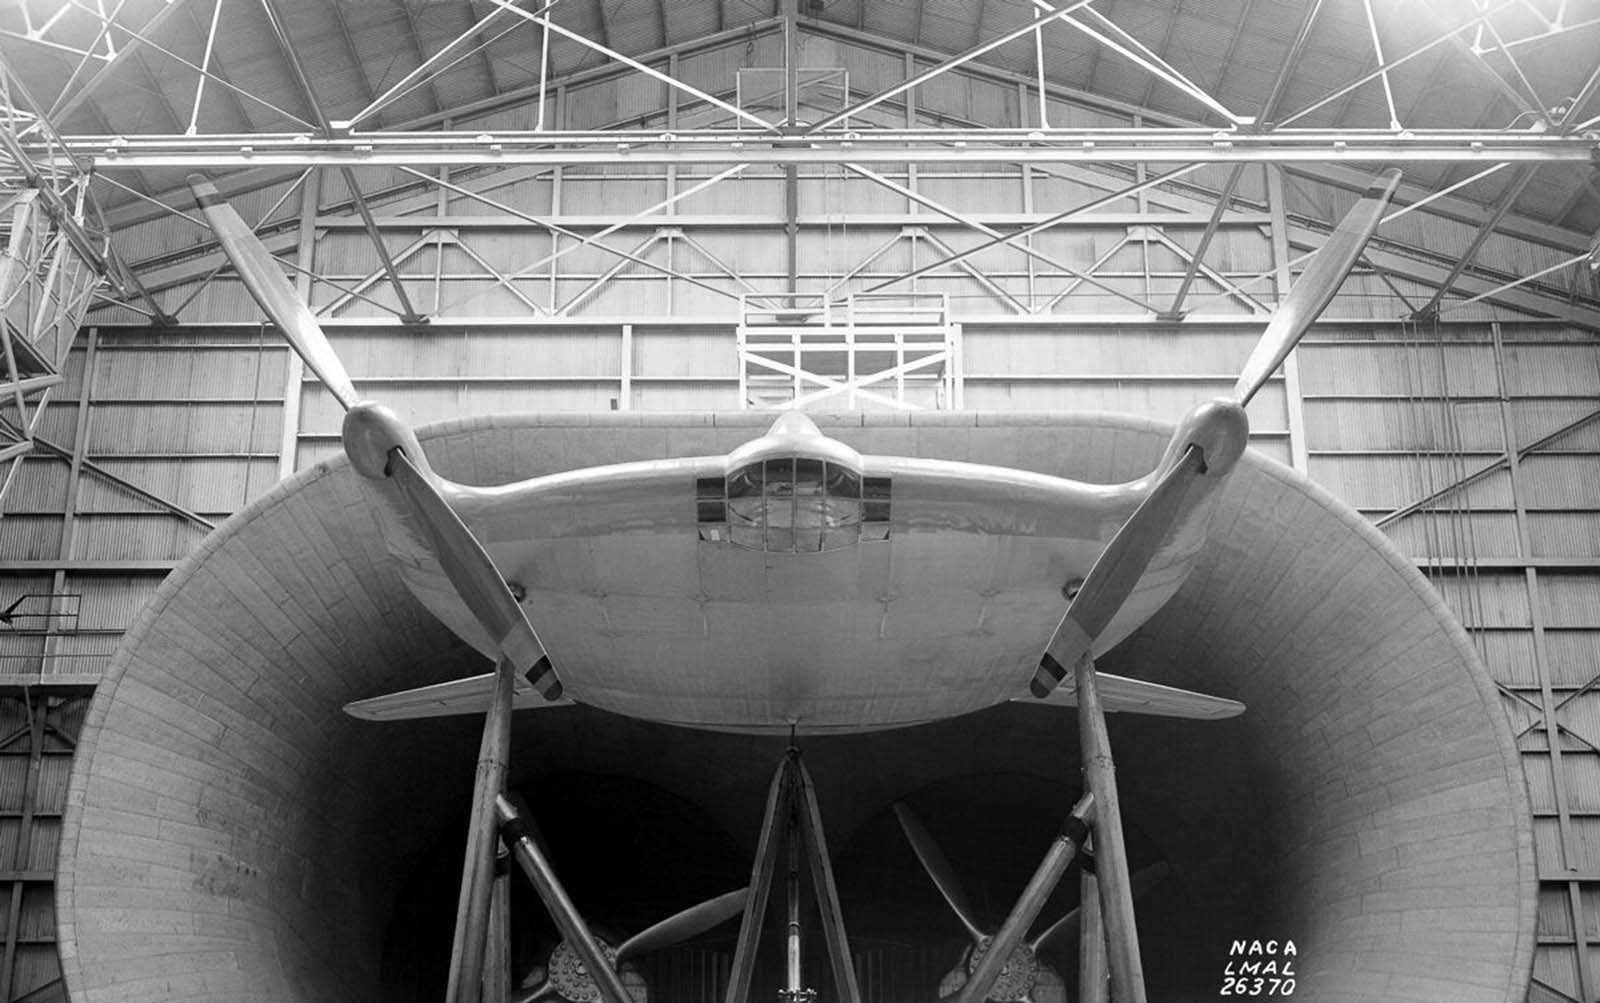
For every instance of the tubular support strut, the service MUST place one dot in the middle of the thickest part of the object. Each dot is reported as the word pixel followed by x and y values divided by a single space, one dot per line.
pixel 1074 833
pixel 792 816
pixel 516 834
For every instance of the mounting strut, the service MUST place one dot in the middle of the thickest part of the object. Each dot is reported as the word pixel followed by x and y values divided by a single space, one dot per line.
pixel 792 817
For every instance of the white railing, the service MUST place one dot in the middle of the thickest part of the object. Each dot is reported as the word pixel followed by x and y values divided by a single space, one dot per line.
pixel 899 351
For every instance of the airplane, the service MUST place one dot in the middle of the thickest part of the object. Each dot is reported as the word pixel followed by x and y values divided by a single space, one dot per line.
pixel 796 586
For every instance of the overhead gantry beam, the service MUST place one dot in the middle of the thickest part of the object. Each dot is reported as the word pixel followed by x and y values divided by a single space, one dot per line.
pixel 1353 177
pixel 836 146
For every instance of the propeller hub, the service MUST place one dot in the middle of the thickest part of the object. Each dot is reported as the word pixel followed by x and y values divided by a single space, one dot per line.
pixel 1221 431
pixel 570 980
pixel 1017 978
pixel 370 432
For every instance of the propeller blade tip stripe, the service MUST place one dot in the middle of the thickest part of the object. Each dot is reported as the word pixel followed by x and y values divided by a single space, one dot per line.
pixel 1046 677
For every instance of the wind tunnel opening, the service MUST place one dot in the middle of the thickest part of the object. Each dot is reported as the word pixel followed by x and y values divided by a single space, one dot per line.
pixel 631 852
pixel 231 835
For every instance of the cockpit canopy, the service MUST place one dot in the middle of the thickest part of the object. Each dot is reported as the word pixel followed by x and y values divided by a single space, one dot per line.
pixel 793 505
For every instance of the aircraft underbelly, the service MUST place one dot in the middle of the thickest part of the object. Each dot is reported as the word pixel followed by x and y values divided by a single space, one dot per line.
pixel 916 628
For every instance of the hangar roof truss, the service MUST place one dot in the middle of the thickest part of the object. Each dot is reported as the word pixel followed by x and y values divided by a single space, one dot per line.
pixel 1489 105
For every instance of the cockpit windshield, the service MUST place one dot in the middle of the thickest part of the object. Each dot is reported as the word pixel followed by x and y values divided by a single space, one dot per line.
pixel 793 504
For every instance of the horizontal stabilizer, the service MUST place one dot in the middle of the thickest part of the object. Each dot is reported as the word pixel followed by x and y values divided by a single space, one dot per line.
pixel 458 696
pixel 1135 696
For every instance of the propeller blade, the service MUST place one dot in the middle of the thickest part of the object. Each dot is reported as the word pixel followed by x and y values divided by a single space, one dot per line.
pixel 1146 879
pixel 1321 279
pixel 542 990
pixel 938 868
pixel 691 922
pixel 465 562
pixel 1115 573
pixel 270 288
pixel 470 570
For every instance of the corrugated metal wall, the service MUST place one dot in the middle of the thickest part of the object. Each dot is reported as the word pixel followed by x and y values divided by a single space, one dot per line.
pixel 37 735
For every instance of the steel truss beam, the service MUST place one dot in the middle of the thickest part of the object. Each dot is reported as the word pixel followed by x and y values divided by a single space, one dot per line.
pixel 988 231
pixel 1040 227
pixel 1177 145
pixel 67 103
pixel 1112 37
pixel 644 68
pixel 71 99
pixel 388 221
pixel 1269 110
pixel 1106 32
pixel 723 146
pixel 292 58
pixel 1522 297
pixel 1351 177
pixel 944 66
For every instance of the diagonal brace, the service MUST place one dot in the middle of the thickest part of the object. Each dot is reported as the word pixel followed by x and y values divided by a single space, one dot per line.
pixel 1063 849
pixel 516 833
pixel 1045 224
pixel 408 313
